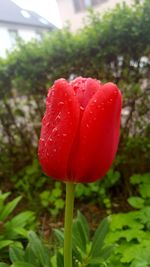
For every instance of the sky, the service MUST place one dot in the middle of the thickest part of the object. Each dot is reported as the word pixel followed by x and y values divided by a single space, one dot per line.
pixel 46 8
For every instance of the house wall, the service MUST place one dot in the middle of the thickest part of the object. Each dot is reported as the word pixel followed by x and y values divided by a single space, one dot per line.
pixel 6 42
pixel 67 11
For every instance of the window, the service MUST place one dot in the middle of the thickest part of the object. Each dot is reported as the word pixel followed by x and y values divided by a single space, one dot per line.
pixel 81 5
pixel 13 34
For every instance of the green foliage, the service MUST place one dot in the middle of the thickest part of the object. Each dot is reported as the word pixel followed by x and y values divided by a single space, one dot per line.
pixel 52 200
pixel 98 192
pixel 143 182
pixel 132 230
pixel 13 229
pixel 86 251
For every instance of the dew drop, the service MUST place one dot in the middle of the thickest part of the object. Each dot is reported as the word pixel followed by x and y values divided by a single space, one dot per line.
pixel 54 130
pixel 61 103
pixel 58 117
pixel 41 140
pixel 64 134
pixel 68 112
pixel 50 139
pixel 94 100
pixel 82 108
pixel 54 150
pixel 115 92
pixel 87 125
pixel 47 124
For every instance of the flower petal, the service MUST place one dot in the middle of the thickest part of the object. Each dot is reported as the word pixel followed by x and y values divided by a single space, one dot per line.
pixel 99 135
pixel 59 127
pixel 84 89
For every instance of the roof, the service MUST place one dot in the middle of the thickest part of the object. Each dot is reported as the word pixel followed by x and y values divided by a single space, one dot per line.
pixel 12 13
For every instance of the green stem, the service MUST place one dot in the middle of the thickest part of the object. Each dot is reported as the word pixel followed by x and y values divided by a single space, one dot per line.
pixel 70 189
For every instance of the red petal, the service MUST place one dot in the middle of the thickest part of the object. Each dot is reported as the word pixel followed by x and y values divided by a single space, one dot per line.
pixel 59 127
pixel 84 89
pixel 99 135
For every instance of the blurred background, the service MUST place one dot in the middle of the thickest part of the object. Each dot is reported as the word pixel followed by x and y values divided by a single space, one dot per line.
pixel 41 41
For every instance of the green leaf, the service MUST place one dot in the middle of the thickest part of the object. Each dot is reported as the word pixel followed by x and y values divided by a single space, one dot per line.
pixel 2 264
pixel 78 235
pixel 125 220
pixel 23 218
pixel 97 260
pixel 136 202
pixel 59 235
pixel 60 260
pixel 39 249
pixel 106 252
pixel 84 224
pixel 16 254
pixel 22 264
pixel 5 243
pixel 9 207
pixel 99 236
pixel 29 256
pixel 145 190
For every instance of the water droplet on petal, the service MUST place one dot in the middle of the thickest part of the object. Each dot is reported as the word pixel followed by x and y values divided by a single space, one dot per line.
pixel 61 103
pixel 87 125
pixel 54 130
pixel 54 150
pixel 94 100
pixel 116 92
pixel 64 134
pixel 82 108
pixel 58 117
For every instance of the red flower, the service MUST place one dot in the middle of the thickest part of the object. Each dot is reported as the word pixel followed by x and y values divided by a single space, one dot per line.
pixel 80 129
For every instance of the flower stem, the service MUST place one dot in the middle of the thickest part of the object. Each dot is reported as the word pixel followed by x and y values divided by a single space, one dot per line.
pixel 70 189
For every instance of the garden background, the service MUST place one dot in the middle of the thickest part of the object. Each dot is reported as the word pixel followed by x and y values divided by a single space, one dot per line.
pixel 113 47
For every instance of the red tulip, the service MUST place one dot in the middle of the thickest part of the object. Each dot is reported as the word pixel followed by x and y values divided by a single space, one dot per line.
pixel 80 129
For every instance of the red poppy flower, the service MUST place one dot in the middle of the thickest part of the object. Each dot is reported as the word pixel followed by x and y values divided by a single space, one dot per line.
pixel 80 129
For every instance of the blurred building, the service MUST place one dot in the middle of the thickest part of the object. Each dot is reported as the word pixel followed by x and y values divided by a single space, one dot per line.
pixel 75 11
pixel 17 22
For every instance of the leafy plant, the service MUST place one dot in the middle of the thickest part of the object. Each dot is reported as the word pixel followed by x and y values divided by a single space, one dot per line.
pixel 52 200
pixel 131 231
pixel 91 252
pixel 13 229
pixel 99 191
pixel 88 251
